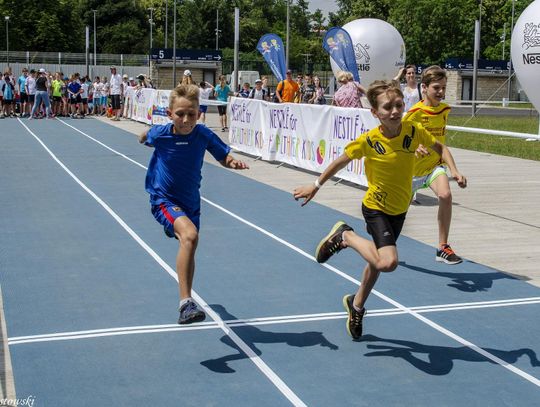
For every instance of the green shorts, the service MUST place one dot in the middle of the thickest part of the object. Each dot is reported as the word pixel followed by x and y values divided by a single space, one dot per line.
pixel 424 181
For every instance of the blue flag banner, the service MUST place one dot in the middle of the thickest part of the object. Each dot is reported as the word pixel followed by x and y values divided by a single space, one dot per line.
pixel 271 48
pixel 337 42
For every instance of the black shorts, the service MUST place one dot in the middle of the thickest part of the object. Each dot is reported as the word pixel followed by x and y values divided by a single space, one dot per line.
pixel 57 99
pixel 24 97
pixel 73 100
pixel 32 98
pixel 383 228
pixel 115 102
pixel 222 110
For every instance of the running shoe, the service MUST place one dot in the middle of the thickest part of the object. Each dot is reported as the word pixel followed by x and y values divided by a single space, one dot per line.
pixel 190 313
pixel 354 318
pixel 331 243
pixel 447 255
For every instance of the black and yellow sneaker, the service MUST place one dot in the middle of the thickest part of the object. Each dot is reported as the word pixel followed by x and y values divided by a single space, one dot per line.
pixel 354 318
pixel 331 243
pixel 447 255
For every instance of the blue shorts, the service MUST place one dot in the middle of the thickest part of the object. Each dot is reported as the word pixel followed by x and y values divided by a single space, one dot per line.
pixel 166 213
pixel 203 108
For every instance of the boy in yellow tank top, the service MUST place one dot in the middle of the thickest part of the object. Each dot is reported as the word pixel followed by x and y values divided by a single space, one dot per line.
pixel 430 170
pixel 389 152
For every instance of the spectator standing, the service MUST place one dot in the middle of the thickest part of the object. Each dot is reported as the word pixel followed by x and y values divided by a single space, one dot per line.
pixel 222 95
pixel 23 96
pixel 412 93
pixel 42 95
pixel 244 92
pixel 56 86
pixel 187 78
pixel 205 90
pixel 258 92
pixel 308 90
pixel 74 91
pixel 30 86
pixel 350 92
pixel 287 89
pixel 116 90
pixel 9 95
pixel 319 98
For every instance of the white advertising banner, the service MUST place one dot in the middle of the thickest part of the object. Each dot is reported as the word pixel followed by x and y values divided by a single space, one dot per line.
pixel 247 126
pixel 159 109
pixel 306 136
pixel 143 101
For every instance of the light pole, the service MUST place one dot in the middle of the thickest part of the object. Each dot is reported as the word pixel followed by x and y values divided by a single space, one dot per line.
pixel 510 53
pixel 151 21
pixel 95 46
pixel 217 30
pixel 7 39
pixel 174 46
pixel 287 37
pixel 166 20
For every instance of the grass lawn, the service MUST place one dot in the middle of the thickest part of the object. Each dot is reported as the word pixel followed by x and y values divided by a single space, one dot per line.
pixel 509 146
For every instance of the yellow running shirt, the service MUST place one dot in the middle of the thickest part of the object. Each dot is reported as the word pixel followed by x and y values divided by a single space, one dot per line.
pixel 434 120
pixel 389 165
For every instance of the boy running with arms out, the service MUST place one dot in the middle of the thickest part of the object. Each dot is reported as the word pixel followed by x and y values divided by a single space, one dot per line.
pixel 389 151
pixel 430 170
pixel 173 181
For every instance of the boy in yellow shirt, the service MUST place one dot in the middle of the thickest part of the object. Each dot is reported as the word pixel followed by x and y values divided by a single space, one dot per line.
pixel 389 151
pixel 430 170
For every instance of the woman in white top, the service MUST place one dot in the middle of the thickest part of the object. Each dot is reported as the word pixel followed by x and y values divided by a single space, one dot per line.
pixel 205 90
pixel 410 88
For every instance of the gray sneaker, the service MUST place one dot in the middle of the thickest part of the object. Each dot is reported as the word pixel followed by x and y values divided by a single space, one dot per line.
pixel 190 313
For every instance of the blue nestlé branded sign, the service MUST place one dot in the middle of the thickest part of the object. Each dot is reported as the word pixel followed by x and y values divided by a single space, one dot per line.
pixel 187 54
pixel 466 64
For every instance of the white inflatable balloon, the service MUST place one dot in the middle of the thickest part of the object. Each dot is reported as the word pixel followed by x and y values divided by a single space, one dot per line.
pixel 526 51
pixel 378 47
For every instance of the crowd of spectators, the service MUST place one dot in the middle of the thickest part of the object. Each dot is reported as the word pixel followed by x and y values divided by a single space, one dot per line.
pixel 36 93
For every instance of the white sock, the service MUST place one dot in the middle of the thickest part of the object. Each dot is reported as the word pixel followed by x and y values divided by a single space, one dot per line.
pixel 357 308
pixel 182 302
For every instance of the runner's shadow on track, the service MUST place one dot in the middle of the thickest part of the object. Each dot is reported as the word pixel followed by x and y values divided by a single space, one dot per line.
pixel 467 282
pixel 252 335
pixel 440 358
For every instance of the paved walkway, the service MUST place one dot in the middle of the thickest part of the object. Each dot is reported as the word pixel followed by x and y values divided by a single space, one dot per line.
pixel 496 219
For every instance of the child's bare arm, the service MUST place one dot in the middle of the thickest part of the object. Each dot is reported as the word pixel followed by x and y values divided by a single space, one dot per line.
pixel 233 163
pixel 309 191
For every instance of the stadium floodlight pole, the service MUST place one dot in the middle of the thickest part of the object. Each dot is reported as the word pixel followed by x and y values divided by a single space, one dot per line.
pixel 236 46
pixel 510 53
pixel 166 20
pixel 7 39
pixel 287 37
pixel 475 64
pixel 174 46
pixel 217 29
pixel 151 21
pixel 95 47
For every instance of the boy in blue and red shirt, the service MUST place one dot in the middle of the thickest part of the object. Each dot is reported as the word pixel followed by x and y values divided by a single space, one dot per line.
pixel 173 180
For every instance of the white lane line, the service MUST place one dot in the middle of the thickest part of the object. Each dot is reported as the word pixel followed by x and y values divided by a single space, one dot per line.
pixel 263 367
pixel 130 330
pixel 396 304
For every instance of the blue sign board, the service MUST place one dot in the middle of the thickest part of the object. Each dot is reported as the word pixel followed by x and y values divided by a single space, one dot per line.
pixel 468 64
pixel 186 54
